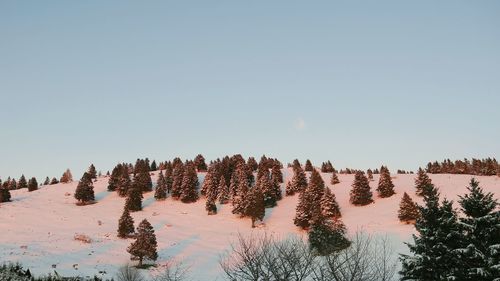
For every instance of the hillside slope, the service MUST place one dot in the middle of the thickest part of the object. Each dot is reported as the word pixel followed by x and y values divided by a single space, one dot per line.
pixel 38 228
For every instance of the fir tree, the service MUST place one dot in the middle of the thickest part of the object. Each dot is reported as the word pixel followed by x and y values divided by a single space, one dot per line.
pixel 434 256
pixel 189 185
pixel 309 201
pixel 145 244
pixel 308 167
pixel 360 194
pixel 12 184
pixel 481 233
pixel 84 192
pixel 54 181
pixel 421 182
pixel 276 173
pixel 124 183
pixel 32 184
pixel 252 164
pixel 239 201
pixel 211 180
pixel 233 186
pixel 154 167
pixel 327 237
pixel 385 186
pixel 266 187
pixel 134 199
pixel 92 171
pixel 142 178
pixel 199 162
pixel 22 183
pixel 329 206
pixel 161 187
pixel 254 205
pixel 66 177
pixel 168 177
pixel 299 181
pixel 335 179
pixel 4 195
pixel 210 207
pixel 115 176
pixel 47 181
pixel 177 177
pixel 125 224
pixel 408 210
pixel 223 191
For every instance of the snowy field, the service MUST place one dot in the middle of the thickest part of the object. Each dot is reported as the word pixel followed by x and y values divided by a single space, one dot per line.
pixel 38 228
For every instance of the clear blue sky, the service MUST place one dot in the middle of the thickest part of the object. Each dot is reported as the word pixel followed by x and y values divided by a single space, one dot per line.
pixel 358 83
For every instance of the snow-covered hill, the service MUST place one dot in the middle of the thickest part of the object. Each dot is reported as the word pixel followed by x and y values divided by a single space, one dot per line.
pixel 38 228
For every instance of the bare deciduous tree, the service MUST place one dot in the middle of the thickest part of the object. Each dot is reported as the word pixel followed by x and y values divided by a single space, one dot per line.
pixel 129 273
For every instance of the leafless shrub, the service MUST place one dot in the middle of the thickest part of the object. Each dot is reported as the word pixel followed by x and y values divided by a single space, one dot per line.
pixel 173 272
pixel 129 273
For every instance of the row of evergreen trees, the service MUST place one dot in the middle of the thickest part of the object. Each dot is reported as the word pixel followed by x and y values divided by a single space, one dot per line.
pixel 481 167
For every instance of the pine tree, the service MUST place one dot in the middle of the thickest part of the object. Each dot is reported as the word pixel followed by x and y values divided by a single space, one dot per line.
pixel 22 183
pixel 84 192
pixel 145 244
pixel 254 205
pixel 54 181
pixel 421 182
pixel 66 177
pixel 299 181
pixel 252 164
pixel 123 183
pixel 223 191
pixel 276 173
pixel 189 185
pixel 329 206
pixel 12 184
pixel 210 207
pixel 242 188
pixel 92 171
pixel 134 199
pixel 309 201
pixel 32 184
pixel 335 179
pixel 385 186
pixel 142 177
pixel 115 176
pixel 211 179
pixel 199 162
pixel 161 187
pixel 125 224
pixel 434 256
pixel 154 167
pixel 4 195
pixel 47 181
pixel 177 177
pixel 327 237
pixel 168 177
pixel 266 187
pixel 408 210
pixel 308 167
pixel 360 194
pixel 481 233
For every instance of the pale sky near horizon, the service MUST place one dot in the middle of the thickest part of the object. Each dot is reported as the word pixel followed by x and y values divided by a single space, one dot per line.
pixel 358 83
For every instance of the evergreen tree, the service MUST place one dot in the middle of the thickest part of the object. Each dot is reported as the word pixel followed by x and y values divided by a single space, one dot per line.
pixel 252 164
pixel 124 183
pixel 54 181
pixel 115 176
pixel 142 177
pixel 254 205
pixel 161 187
pixel 210 207
pixel 154 167
pixel 327 236
pixel 266 187
pixel 239 201
pixel 66 177
pixel 233 187
pixel 223 191
pixel 335 179
pixel 408 210
pixel 276 173
pixel 168 177
pixel 308 167
pixel 4 194
pixel 32 184
pixel 22 183
pixel 309 201
pixel 145 244
pixel 47 181
pixel 329 206
pixel 125 224
pixel 189 185
pixel 199 162
pixel 385 186
pixel 134 199
pixel 84 192
pixel 369 172
pixel 177 177
pixel 421 182
pixel 12 184
pixel 299 181
pixel 360 194
pixel 92 171
pixel 481 233
pixel 211 179
pixel 434 256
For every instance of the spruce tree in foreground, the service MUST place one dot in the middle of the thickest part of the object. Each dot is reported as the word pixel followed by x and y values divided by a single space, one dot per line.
pixel 481 229
pixel 125 224
pixel 334 179
pixel 326 235
pixel 254 205
pixel 145 244
pixel 433 251
pixel 161 187
pixel 134 199
pixel 408 210
pixel 421 182
pixel 385 186
pixel 32 184
pixel 360 194
pixel 84 192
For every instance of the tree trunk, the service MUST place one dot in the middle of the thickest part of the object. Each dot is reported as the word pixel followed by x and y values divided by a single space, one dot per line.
pixel 140 262
pixel 253 223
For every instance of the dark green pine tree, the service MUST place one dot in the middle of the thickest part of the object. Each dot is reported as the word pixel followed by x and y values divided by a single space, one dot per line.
pixel 421 182
pixel 327 236
pixel 84 192
pixel 254 205
pixel 161 187
pixel 408 210
pixel 334 179
pixel 168 177
pixel 145 245
pixel 4 195
pixel 33 184
pixel 385 186
pixel 308 167
pixel 143 180
pixel 223 191
pixel 276 173
pixel 92 171
pixel 360 194
pixel 329 206
pixel 47 181
pixel 177 177
pixel 154 166
pixel 189 185
pixel 309 200
pixel 115 177
pixel 299 181
pixel 266 187
pixel 434 255
pixel 54 181
pixel 125 224
pixel 480 253
pixel 134 199
pixel 22 183
pixel 124 183
pixel 199 163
